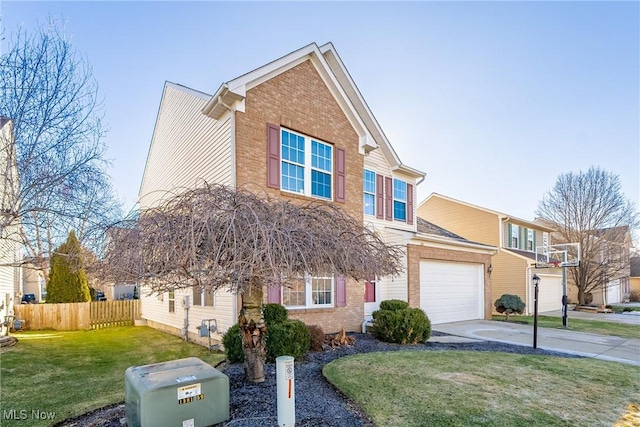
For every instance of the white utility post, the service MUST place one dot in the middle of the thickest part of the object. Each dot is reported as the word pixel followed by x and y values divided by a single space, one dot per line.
pixel 286 391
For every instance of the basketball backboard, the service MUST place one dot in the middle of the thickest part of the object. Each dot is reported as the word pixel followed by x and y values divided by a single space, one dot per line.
pixel 558 255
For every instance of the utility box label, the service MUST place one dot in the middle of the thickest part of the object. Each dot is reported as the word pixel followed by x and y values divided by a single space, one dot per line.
pixel 190 393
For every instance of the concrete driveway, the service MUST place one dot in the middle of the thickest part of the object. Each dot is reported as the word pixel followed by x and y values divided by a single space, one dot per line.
pixel 624 350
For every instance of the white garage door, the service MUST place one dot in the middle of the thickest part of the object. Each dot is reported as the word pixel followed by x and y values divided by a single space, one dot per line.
pixel 549 293
pixel 613 294
pixel 451 291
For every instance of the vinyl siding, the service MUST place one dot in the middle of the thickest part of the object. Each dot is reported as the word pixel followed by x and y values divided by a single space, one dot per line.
pixel 376 162
pixel 396 287
pixel 156 309
pixel 508 276
pixel 466 221
pixel 187 148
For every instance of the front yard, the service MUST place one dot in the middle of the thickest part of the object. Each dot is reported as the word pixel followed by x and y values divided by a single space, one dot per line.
pixel 65 374
pixel 460 388
pixel 580 325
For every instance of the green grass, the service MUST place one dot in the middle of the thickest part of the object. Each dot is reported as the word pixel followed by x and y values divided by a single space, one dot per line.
pixel 71 373
pixel 593 326
pixel 459 388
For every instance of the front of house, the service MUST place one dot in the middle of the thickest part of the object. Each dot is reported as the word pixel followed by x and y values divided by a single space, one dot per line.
pixel 298 129
pixel 514 264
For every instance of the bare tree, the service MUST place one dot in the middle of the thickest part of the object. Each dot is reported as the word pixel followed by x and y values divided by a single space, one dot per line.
pixel 590 208
pixel 218 237
pixel 48 92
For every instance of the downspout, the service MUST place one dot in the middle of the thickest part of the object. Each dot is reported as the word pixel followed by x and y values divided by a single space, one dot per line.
pixel 232 156
pixel 527 282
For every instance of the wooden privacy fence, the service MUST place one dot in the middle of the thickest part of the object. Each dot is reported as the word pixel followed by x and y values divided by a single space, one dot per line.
pixel 78 316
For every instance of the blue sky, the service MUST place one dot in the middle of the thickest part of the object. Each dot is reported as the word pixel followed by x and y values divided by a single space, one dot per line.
pixel 493 100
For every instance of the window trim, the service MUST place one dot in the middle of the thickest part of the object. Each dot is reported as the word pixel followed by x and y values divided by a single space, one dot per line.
pixel 307 167
pixel 395 199
pixel 368 193
pixel 308 294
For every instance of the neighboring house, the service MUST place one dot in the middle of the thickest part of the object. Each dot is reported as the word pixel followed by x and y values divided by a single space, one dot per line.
pixel 33 281
pixel 296 128
pixel 612 265
pixel 634 274
pixel 10 248
pixel 514 264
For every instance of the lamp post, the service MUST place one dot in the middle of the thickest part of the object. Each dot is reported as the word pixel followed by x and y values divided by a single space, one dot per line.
pixel 536 282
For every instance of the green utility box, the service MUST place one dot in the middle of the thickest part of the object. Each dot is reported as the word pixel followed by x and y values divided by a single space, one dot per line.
pixel 180 393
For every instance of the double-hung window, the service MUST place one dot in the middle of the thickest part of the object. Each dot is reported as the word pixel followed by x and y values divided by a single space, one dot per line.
pixel 309 292
pixel 530 240
pixel 203 298
pixel 515 237
pixel 369 189
pixel 306 165
pixel 399 200
pixel 172 302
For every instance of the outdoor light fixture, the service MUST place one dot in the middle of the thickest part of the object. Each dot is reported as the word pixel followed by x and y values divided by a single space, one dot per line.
pixel 536 281
pixel 490 269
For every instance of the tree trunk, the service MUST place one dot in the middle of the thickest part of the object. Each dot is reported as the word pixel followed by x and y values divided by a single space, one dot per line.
pixel 581 295
pixel 254 332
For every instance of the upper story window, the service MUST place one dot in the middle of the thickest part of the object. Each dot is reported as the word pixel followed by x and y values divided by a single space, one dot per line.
pixel 369 190
pixel 399 200
pixel 306 165
pixel 309 292
pixel 514 237
pixel 531 238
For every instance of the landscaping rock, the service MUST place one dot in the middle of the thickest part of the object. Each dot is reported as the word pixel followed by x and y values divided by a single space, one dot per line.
pixel 318 403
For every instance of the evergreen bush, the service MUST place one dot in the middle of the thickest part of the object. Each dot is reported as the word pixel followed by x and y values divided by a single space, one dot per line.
pixel 402 325
pixel 274 313
pixel 290 338
pixel 509 304
pixel 232 342
pixel 393 305
pixel 68 280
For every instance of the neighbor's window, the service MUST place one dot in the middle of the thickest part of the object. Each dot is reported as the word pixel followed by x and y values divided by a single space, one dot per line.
pixel 399 200
pixel 369 189
pixel 309 292
pixel 530 239
pixel 172 302
pixel 306 165
pixel 515 236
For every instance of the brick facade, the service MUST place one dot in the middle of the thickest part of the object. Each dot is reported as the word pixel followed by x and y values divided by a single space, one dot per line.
pixel 416 253
pixel 298 99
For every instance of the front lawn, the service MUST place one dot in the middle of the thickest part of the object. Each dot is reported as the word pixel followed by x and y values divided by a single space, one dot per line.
pixel 459 388
pixel 71 373
pixel 623 330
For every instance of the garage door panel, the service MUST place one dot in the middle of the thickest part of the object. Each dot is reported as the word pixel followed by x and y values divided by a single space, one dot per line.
pixel 549 294
pixel 451 291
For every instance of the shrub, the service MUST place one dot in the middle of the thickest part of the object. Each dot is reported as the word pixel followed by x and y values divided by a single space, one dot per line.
pixel 317 337
pixel 634 296
pixel 232 342
pixel 509 304
pixel 393 305
pixel 588 298
pixel 402 325
pixel 274 313
pixel 627 310
pixel 291 338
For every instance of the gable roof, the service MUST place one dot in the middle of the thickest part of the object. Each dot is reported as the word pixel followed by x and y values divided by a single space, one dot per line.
pixel 334 74
pixel 4 121
pixel 501 215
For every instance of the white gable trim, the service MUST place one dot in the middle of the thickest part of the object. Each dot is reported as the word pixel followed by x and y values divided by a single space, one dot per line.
pixel 236 89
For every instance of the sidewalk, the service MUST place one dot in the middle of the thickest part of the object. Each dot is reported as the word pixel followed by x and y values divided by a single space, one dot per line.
pixel 624 350
pixel 632 318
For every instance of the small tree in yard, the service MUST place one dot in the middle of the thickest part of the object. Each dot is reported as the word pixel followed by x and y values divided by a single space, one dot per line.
pixel 218 237
pixel 509 304
pixel 68 281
